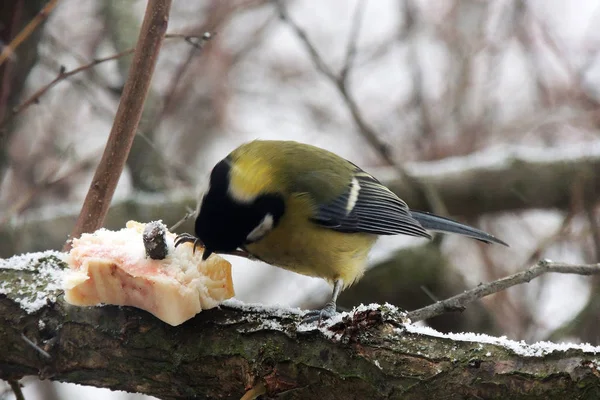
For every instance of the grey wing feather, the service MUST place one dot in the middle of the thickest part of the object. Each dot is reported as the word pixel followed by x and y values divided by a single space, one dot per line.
pixel 369 207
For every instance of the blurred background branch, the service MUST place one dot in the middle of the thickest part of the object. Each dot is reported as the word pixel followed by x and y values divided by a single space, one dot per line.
pixel 14 17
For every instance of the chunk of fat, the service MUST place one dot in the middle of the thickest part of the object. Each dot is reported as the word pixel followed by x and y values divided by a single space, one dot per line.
pixel 110 267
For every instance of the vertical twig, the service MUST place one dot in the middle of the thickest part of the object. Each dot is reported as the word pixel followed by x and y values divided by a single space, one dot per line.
pixel 353 40
pixel 590 212
pixel 102 188
pixel 16 388
pixel 6 72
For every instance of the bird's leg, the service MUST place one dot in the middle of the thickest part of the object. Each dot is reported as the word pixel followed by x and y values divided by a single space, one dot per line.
pixel 330 308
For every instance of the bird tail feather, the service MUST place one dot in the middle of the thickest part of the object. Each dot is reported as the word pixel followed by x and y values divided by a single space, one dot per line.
pixel 440 224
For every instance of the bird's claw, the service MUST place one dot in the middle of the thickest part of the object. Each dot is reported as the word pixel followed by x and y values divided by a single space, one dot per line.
pixel 325 313
pixel 187 238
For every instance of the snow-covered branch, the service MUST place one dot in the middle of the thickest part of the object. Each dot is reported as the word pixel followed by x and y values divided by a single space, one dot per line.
pixel 504 179
pixel 226 352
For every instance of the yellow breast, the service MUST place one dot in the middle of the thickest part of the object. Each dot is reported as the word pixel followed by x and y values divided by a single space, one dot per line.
pixel 299 245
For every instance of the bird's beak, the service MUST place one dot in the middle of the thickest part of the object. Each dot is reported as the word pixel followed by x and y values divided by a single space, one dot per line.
pixel 206 254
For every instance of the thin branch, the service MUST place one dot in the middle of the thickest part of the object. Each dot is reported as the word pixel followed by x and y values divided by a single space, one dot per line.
pixel 353 40
pixel 98 198
pixel 340 82
pixel 591 217
pixel 176 78
pixel 458 302
pixel 62 75
pixel 196 41
pixel 189 214
pixel 27 31
pixel 6 80
pixel 551 239
pixel 317 59
pixel 16 388
pixel 37 348
pixel 48 181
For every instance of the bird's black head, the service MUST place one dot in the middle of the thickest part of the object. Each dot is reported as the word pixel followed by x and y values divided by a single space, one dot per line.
pixel 225 224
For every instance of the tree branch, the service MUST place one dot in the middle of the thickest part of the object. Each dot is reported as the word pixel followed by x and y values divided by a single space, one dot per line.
pixel 340 82
pixel 460 301
pixel 352 40
pixel 62 75
pixel 194 41
pixel 128 116
pixel 503 180
pixel 223 353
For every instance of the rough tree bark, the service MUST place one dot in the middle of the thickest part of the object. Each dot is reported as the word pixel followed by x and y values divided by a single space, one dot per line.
pixel 224 352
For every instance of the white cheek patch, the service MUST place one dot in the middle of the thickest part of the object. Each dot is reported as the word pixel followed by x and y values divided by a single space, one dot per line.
pixel 261 229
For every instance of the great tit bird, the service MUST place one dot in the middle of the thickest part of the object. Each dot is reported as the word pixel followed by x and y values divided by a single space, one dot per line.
pixel 307 210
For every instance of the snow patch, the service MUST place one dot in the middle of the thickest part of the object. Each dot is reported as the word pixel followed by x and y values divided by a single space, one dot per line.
pixel 49 278
pixel 274 310
pixel 499 157
pixel 521 348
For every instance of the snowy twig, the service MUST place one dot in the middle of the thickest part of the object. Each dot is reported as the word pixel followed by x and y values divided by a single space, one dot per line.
pixel 459 302
pixel 98 198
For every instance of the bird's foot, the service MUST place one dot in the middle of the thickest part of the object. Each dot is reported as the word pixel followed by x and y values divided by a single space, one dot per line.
pixel 325 313
pixel 187 238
